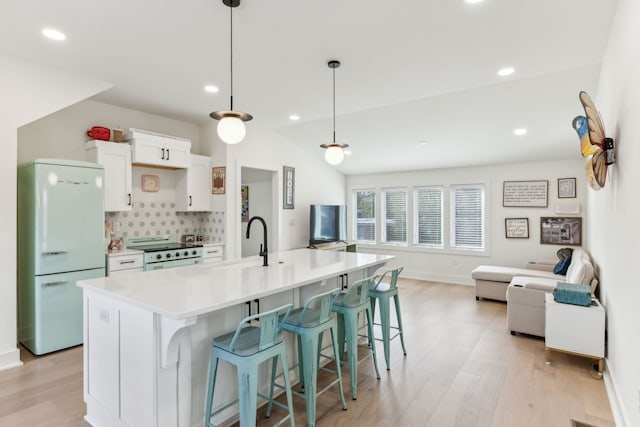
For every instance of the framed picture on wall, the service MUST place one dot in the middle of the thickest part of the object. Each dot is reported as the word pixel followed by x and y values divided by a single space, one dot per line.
pixel 516 228
pixel 288 187
pixel 525 194
pixel 218 180
pixel 561 231
pixel 566 188
pixel 244 190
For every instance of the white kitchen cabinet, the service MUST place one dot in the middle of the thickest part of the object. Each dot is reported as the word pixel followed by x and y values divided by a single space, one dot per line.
pixel 125 261
pixel 212 252
pixel 193 185
pixel 116 160
pixel 153 149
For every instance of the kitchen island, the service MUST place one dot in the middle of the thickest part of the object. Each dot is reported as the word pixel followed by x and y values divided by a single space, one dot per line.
pixel 147 334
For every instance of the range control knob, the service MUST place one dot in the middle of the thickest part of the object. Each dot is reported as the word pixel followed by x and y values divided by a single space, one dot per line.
pixel 168 255
pixel 194 252
pixel 158 256
pixel 177 254
pixel 186 253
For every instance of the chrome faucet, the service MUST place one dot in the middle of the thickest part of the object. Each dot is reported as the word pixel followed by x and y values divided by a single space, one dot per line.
pixel 264 253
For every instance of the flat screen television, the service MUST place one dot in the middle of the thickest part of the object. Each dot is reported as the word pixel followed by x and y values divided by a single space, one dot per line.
pixel 327 223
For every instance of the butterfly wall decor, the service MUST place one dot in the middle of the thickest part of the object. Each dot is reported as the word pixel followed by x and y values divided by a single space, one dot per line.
pixel 598 149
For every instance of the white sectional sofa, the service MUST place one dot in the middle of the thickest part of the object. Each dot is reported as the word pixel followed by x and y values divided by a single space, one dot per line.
pixel 525 290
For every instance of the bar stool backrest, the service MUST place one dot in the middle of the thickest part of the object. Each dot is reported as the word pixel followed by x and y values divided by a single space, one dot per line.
pixel 358 292
pixel 395 272
pixel 320 302
pixel 270 327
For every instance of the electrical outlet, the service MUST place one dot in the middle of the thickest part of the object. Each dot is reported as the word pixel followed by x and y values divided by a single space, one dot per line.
pixel 104 315
pixel 324 282
pixel 116 225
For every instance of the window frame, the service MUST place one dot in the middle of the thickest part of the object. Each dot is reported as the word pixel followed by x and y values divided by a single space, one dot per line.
pixel 416 218
pixel 384 220
pixel 483 219
pixel 354 211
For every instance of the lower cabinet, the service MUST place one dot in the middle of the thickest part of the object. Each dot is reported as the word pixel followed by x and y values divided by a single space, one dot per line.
pixel 124 262
pixel 212 252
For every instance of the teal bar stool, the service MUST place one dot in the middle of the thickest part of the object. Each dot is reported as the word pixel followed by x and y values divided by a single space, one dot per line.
pixel 348 306
pixel 308 324
pixel 383 292
pixel 247 348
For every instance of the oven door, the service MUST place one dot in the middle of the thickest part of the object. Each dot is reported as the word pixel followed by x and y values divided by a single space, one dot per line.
pixel 173 263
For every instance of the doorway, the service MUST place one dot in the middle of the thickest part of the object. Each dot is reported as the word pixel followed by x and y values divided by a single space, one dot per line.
pixel 257 200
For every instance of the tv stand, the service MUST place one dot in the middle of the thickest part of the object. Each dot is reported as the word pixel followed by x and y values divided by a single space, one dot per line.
pixel 336 246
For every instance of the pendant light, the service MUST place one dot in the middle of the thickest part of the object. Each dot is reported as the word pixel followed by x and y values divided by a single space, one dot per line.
pixel 231 127
pixel 334 154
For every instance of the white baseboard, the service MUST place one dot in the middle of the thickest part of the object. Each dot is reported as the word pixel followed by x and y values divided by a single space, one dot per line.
pixel 617 405
pixel 10 359
pixel 438 277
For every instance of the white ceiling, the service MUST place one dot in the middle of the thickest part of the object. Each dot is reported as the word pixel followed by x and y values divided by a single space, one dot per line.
pixel 411 71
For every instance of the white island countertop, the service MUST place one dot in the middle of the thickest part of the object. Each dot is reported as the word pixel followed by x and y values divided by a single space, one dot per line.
pixel 185 292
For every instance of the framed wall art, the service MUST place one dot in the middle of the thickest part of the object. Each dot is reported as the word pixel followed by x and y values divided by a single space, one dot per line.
pixel 530 194
pixel 288 187
pixel 566 188
pixel 561 231
pixel 218 179
pixel 244 191
pixel 516 228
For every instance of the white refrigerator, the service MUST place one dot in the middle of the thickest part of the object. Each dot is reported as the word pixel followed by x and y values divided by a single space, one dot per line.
pixel 60 241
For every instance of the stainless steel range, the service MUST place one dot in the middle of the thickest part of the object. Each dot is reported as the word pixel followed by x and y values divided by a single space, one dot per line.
pixel 165 252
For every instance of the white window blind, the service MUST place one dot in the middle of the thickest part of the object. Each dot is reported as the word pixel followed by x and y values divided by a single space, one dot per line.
pixel 467 216
pixel 427 213
pixel 365 216
pixel 395 216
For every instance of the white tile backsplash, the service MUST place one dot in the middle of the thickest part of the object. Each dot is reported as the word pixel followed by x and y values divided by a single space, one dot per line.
pixel 159 218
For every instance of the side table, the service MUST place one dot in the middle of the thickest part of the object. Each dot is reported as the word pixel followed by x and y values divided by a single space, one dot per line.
pixel 575 329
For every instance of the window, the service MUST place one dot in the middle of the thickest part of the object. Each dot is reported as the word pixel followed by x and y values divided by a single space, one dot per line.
pixel 365 216
pixel 467 216
pixel 394 210
pixel 427 213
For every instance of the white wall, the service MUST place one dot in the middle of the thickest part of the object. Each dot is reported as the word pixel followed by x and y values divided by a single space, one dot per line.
pixel 28 92
pixel 455 266
pixel 613 229
pixel 63 134
pixel 315 182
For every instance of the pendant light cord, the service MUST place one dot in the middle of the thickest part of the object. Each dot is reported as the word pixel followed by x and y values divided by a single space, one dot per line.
pixel 334 105
pixel 231 54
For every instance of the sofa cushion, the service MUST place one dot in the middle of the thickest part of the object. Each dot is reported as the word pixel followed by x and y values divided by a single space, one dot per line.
pixel 505 274
pixel 581 270
pixel 535 283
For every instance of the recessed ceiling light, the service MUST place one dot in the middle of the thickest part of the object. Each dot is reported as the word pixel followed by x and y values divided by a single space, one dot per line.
pixel 53 34
pixel 294 117
pixel 506 71
pixel 211 89
pixel 473 1
pixel 347 152
pixel 423 142
pixel 520 131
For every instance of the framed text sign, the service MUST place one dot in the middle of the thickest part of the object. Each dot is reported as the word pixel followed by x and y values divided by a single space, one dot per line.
pixel 530 194
pixel 288 187
pixel 516 228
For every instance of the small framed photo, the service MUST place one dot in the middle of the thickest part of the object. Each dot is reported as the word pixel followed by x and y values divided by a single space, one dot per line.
pixel 244 201
pixel 561 231
pixel 566 188
pixel 516 228
pixel 218 180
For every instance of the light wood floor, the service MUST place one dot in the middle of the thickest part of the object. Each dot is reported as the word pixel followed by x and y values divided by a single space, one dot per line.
pixel 463 368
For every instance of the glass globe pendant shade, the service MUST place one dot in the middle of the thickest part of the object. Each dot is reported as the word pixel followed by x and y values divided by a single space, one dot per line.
pixel 231 130
pixel 334 155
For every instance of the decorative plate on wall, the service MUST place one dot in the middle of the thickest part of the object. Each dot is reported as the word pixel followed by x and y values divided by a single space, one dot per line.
pixel 150 183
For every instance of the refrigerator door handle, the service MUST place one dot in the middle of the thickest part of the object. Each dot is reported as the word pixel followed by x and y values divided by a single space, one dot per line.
pixel 54 253
pixel 61 282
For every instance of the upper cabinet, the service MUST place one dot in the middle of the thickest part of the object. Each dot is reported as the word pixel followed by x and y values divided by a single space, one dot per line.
pixel 116 160
pixel 193 185
pixel 153 149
